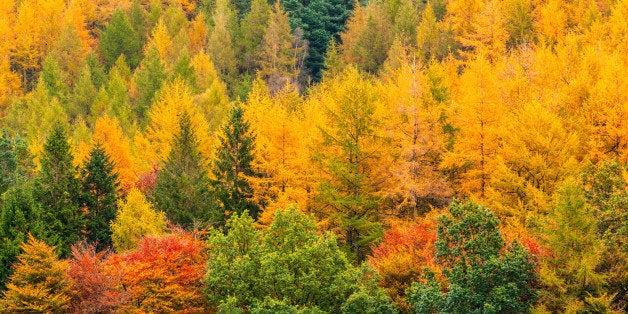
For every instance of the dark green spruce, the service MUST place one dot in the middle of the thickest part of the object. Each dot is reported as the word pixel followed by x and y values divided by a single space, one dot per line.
pixel 182 189
pixel 233 165
pixel 58 192
pixel 100 195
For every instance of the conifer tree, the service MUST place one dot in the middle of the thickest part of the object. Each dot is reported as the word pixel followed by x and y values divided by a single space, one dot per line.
pixel 149 79
pixel 58 189
pixel 182 189
pixel 19 215
pixel 233 165
pixel 99 192
pixel 119 38
pixel 39 283
pixel 8 162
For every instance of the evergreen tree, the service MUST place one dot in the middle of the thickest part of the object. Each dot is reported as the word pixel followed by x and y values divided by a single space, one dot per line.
pixel 19 215
pixel 233 165
pixel 149 79
pixel 58 189
pixel 83 95
pixel 8 162
pixel 99 191
pixel 182 189
pixel 119 38
pixel 39 284
pixel 481 279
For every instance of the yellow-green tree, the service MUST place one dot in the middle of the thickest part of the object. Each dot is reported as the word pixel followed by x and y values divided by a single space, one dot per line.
pixel 353 160
pixel 135 219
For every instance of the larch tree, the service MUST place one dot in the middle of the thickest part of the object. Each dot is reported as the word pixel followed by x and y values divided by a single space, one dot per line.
pixel 182 190
pixel 252 29
pixel 570 274
pixel 148 78
pixel 352 159
pixel 417 129
pixel 281 154
pixel 278 54
pixel 134 220
pixel 232 166
pixel 221 47
pixel 100 188
pixel 39 283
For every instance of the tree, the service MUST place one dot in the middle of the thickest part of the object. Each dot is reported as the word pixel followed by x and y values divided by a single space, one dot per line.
pixel 417 129
pixel 607 193
pixel 290 263
pixel 233 166
pixel 119 38
pixel 95 287
pixel 253 27
pixel 480 277
pixel 20 215
pixel 278 54
pixel 117 147
pixel 367 37
pixel 100 195
pixel 352 160
pixel 431 39
pixel 38 283
pixel 571 272
pixel 400 259
pixel 58 189
pixel 134 220
pixel 8 163
pixel 182 190
pixel 163 274
pixel 155 142
pixel 148 79
pixel 221 47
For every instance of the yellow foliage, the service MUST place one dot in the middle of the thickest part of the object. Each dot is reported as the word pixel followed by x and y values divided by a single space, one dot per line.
pixel 134 220
pixel 107 132
pixel 153 145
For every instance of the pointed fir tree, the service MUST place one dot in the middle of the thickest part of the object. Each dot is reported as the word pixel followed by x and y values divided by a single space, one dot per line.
pixel 119 38
pixel 233 165
pixel 19 215
pixel 149 78
pixel 182 189
pixel 58 189
pixel 8 162
pixel 99 195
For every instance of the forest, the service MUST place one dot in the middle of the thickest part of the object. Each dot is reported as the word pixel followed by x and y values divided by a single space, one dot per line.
pixel 314 156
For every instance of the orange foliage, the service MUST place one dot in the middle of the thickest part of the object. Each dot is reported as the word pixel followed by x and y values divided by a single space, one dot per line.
pixel 163 274
pixel 407 249
pixel 94 287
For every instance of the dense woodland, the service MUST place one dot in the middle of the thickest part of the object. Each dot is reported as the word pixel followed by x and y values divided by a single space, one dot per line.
pixel 314 156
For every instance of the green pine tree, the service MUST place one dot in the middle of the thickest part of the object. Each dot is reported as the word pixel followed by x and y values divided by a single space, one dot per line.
pixel 20 214
pixel 99 191
pixel 58 190
pixel 233 165
pixel 8 162
pixel 119 38
pixel 182 189
pixel 149 78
